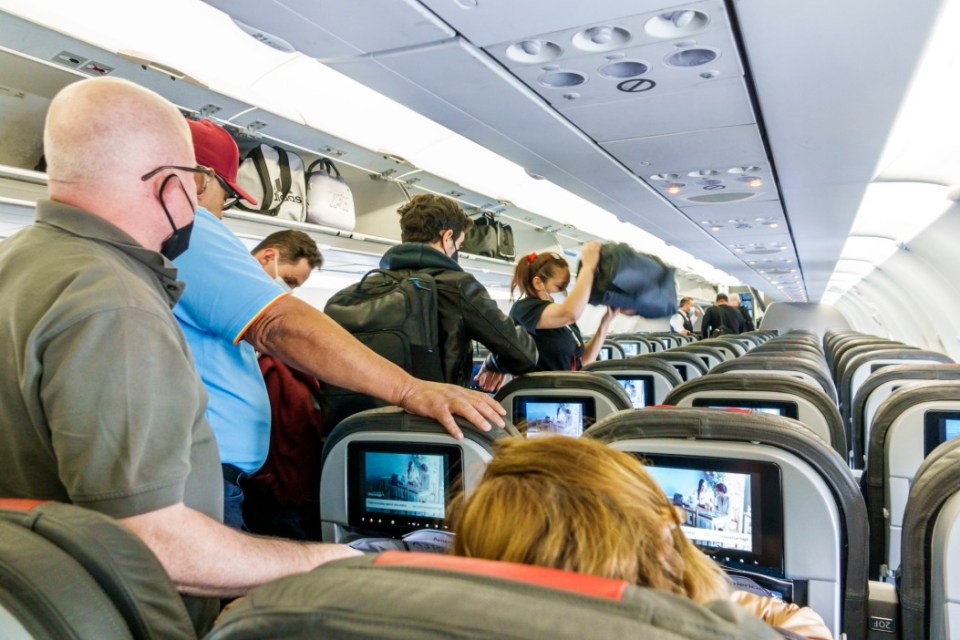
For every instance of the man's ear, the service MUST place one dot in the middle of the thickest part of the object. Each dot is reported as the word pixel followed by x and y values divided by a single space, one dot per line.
pixel 264 256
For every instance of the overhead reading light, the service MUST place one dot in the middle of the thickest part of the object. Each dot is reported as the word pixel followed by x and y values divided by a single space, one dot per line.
pixel 674 24
pixel 691 57
pixel 601 38
pixel 674 187
pixel 561 79
pixel 742 171
pixel 534 51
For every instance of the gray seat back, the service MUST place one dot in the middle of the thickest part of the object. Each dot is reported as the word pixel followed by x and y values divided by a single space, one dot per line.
pixel 930 571
pixel 824 518
pixel 799 368
pixel 878 387
pixel 603 391
pixel 895 452
pixel 710 356
pixel 611 350
pixel 814 408
pixel 409 596
pixel 859 367
pixel 118 563
pixel 345 493
pixel 688 365
pixel 663 377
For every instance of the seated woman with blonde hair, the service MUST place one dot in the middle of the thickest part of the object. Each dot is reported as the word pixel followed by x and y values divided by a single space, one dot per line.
pixel 578 505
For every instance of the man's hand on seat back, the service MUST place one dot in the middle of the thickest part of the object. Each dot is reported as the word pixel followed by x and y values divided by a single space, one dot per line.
pixel 442 401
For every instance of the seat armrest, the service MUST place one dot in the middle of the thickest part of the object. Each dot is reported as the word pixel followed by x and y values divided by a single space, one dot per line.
pixel 882 611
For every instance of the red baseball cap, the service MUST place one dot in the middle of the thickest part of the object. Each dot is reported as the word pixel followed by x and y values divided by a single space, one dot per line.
pixel 215 148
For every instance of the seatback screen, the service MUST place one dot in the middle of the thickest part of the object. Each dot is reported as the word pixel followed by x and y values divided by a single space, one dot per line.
pixel 605 353
pixel 639 388
pixel 731 509
pixel 629 348
pixel 938 427
pixel 682 370
pixel 400 487
pixel 769 407
pixel 554 415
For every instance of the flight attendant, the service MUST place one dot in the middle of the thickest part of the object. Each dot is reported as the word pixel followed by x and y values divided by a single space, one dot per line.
pixel 550 314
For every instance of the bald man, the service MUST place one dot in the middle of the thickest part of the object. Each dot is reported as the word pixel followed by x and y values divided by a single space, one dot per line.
pixel 102 406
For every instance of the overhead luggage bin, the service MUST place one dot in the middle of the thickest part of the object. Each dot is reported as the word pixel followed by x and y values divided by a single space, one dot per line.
pixel 794 367
pixel 909 425
pixel 366 486
pixel 782 396
pixel 816 549
pixel 930 568
pixel 408 596
pixel 878 387
pixel 565 402
pixel 646 379
pixel 77 573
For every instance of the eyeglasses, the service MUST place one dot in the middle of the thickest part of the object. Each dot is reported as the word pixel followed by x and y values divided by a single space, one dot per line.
pixel 206 171
pixel 232 196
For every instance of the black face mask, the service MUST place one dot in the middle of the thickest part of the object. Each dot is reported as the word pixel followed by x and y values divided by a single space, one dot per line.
pixel 179 240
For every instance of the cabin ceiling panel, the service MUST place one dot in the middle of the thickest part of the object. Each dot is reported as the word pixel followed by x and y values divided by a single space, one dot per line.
pixel 675 153
pixel 602 73
pixel 458 86
pixel 492 21
pixel 709 105
pixel 827 113
pixel 340 28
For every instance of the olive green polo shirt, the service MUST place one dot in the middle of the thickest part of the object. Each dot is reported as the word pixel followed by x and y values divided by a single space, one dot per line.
pixel 100 404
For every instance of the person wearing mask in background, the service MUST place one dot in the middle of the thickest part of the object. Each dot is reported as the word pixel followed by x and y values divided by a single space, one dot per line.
pixel 736 304
pixel 232 308
pixel 281 497
pixel 680 322
pixel 432 228
pixel 550 314
pixel 721 319
pixel 579 505
pixel 289 257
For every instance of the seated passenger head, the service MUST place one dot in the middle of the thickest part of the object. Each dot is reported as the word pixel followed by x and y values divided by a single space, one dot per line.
pixel 538 275
pixel 288 256
pixel 123 153
pixel 215 149
pixel 578 505
pixel 434 220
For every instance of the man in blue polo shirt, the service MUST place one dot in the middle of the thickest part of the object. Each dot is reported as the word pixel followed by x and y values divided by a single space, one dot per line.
pixel 231 307
pixel 215 316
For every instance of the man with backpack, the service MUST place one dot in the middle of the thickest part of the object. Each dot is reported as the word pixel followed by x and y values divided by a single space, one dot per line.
pixel 453 308
pixel 721 319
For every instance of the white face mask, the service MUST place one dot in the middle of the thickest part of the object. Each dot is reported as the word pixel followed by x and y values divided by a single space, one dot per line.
pixel 276 276
pixel 559 296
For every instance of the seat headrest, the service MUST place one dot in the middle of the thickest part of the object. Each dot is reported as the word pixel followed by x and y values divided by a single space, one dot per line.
pixel 395 419
pixel 50 594
pixel 779 384
pixel 783 433
pixel 936 482
pixel 126 570
pixel 576 382
pixel 404 595
pixel 646 362
pixel 876 470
